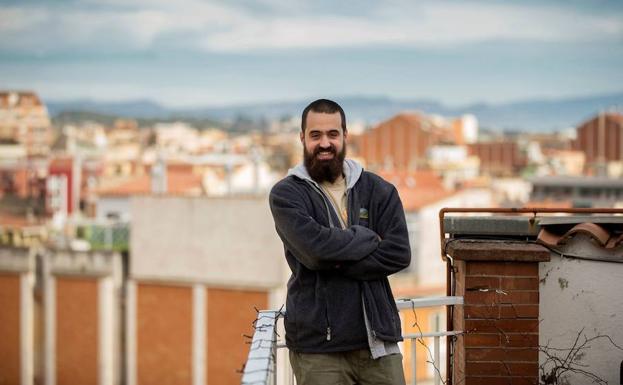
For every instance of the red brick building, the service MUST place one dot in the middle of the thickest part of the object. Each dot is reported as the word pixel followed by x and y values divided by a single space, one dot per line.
pixel 500 158
pixel 401 142
pixel 601 139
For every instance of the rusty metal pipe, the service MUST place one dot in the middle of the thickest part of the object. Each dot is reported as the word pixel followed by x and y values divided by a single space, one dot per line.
pixel 495 210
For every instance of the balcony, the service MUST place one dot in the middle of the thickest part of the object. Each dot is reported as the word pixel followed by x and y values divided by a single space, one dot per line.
pixel 111 236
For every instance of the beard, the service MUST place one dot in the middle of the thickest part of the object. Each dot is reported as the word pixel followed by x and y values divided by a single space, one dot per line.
pixel 324 170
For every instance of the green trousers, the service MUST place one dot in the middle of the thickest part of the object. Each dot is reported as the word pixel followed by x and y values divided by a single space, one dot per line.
pixel 354 367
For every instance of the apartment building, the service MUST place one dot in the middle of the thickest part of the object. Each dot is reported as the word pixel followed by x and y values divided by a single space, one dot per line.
pixel 24 119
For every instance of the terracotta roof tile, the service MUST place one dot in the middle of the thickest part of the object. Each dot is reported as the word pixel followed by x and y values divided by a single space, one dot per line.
pixel 417 188
pixel 595 231
pixel 414 199
pixel 15 221
pixel 419 178
pixel 602 236
pixel 177 184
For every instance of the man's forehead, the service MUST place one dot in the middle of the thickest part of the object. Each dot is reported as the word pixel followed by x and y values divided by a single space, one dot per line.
pixel 324 120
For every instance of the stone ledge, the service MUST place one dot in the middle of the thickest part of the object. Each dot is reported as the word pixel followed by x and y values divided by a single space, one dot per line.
pixel 495 251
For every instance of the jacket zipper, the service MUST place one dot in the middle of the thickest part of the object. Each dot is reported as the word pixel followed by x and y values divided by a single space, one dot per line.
pixel 324 199
pixel 326 308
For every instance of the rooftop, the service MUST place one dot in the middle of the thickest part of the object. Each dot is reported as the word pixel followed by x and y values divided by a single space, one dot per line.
pixel 177 184
pixel 417 188
pixel 584 236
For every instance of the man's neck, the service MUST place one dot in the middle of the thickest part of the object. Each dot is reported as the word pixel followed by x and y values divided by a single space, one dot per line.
pixel 339 181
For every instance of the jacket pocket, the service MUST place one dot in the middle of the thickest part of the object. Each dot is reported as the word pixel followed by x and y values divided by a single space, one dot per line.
pixel 381 310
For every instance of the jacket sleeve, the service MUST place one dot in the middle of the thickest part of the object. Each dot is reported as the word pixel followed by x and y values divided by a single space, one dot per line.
pixel 394 252
pixel 317 247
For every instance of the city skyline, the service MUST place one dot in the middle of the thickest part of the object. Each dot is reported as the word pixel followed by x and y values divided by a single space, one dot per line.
pixel 195 53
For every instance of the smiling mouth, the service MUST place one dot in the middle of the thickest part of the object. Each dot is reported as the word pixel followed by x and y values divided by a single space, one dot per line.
pixel 325 155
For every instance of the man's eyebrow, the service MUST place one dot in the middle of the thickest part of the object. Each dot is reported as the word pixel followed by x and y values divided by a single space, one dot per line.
pixel 312 130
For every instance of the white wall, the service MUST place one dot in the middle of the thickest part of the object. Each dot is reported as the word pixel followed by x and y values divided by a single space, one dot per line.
pixel 426 254
pixel 578 294
pixel 113 204
pixel 220 241
pixel 516 190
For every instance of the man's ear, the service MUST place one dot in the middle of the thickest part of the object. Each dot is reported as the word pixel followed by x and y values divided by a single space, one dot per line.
pixel 302 136
pixel 345 134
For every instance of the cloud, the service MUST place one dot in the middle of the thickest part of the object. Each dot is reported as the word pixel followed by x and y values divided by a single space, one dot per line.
pixel 417 24
pixel 113 27
pixel 116 25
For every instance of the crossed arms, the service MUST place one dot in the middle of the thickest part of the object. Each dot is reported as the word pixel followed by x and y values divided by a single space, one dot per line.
pixel 356 252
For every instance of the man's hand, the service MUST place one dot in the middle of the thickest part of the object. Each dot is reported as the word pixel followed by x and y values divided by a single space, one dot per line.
pixel 393 253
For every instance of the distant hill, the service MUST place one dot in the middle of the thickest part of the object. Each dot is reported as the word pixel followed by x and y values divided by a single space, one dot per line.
pixel 73 117
pixel 529 116
pixel 134 108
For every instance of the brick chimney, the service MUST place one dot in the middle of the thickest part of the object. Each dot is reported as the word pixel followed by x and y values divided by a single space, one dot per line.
pixel 499 281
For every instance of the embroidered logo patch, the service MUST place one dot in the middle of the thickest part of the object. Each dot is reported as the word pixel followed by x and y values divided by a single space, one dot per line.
pixel 363 213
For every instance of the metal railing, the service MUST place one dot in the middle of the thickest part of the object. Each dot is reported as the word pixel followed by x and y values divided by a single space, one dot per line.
pixel 261 365
pixel 104 235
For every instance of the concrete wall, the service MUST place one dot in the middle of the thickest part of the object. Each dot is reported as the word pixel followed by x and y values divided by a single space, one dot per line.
pixel 578 295
pixel 216 241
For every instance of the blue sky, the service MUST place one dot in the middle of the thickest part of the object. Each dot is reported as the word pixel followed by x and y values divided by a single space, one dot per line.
pixel 189 53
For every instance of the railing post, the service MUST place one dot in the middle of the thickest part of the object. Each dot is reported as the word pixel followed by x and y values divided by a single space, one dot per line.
pixel 274 353
pixel 413 362
pixel 437 361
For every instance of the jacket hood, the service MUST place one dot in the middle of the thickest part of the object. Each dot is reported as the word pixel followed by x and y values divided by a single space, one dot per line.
pixel 352 172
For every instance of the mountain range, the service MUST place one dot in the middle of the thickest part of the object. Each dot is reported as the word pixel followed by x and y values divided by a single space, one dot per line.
pixel 527 116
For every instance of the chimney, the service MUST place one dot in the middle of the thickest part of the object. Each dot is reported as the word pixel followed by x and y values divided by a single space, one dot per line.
pixel 500 316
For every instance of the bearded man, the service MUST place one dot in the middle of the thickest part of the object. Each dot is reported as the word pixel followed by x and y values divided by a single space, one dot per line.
pixel 344 232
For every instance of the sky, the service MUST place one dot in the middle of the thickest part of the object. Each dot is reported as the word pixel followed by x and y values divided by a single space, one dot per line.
pixel 191 53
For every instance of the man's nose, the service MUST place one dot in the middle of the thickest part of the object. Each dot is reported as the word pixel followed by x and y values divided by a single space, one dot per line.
pixel 324 142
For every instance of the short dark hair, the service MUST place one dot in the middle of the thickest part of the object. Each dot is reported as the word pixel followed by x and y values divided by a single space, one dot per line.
pixel 324 106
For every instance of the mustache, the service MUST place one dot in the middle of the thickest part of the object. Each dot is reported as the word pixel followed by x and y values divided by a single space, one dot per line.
pixel 331 149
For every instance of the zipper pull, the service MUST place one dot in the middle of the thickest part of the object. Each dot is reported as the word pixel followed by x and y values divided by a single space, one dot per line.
pixel 328 333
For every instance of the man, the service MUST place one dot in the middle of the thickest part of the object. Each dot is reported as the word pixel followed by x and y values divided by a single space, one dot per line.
pixel 344 232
